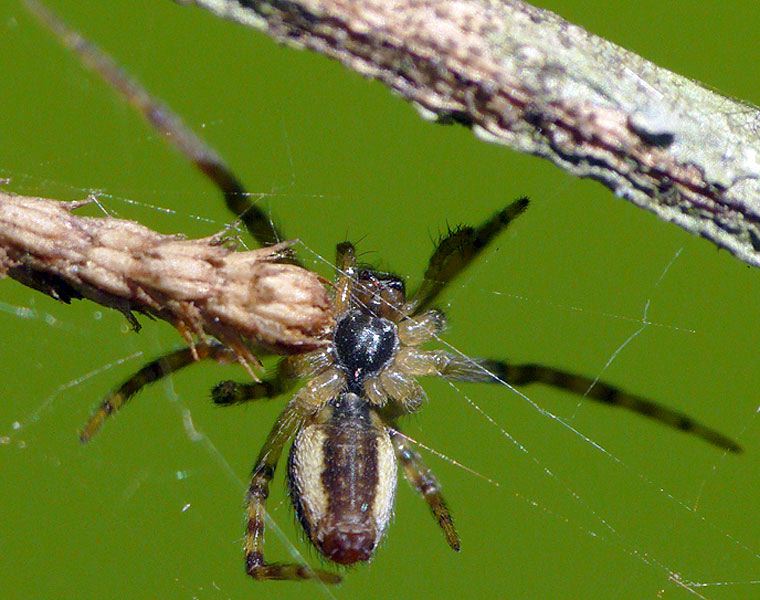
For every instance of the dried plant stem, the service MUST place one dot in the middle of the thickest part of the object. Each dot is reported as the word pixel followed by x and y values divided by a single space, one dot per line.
pixel 524 77
pixel 247 300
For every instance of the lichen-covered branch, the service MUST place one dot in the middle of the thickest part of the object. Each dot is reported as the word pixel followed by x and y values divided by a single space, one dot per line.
pixel 247 300
pixel 524 77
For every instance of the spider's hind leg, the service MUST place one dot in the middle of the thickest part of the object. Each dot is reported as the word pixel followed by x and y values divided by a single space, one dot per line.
pixel 419 475
pixel 307 401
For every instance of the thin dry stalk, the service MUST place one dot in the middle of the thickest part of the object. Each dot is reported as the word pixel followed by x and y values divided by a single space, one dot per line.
pixel 524 77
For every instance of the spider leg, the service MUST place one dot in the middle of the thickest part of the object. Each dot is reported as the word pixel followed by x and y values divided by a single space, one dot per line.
pixel 287 424
pixel 422 479
pixel 167 123
pixel 345 263
pixel 415 331
pixel 456 251
pixel 157 369
pixel 227 393
pixel 457 368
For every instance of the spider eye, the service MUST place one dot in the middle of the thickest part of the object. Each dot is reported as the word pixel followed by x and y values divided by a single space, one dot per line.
pixel 382 294
pixel 364 345
pixel 379 279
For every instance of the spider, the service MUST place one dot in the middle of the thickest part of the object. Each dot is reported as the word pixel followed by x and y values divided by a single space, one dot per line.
pixel 344 420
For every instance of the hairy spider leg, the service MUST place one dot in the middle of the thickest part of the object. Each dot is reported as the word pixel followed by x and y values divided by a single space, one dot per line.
pixel 168 124
pixel 605 393
pixel 225 393
pixel 456 251
pixel 258 491
pixel 289 370
pixel 228 393
pixel 452 255
pixel 422 328
pixel 460 368
pixel 345 266
pixel 306 402
pixel 157 369
pixel 422 479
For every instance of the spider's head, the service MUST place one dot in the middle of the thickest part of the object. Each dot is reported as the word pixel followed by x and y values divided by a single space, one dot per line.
pixel 379 294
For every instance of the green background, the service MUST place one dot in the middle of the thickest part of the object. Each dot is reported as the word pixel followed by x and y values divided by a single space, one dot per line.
pixel 148 510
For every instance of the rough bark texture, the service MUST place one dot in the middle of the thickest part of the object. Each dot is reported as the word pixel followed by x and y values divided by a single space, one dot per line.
pixel 524 77
pixel 247 300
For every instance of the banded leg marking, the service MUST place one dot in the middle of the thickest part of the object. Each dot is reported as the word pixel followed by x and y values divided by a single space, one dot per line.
pixel 419 475
pixel 153 371
pixel 496 371
pixel 228 393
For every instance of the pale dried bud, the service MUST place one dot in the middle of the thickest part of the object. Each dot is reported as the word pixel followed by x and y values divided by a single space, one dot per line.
pixel 202 287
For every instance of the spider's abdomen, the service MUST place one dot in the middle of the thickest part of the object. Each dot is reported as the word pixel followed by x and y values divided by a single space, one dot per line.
pixel 364 344
pixel 342 479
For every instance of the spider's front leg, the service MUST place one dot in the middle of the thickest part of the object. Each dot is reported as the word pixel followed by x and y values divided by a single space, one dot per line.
pixel 455 252
pixel 462 368
pixel 168 124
